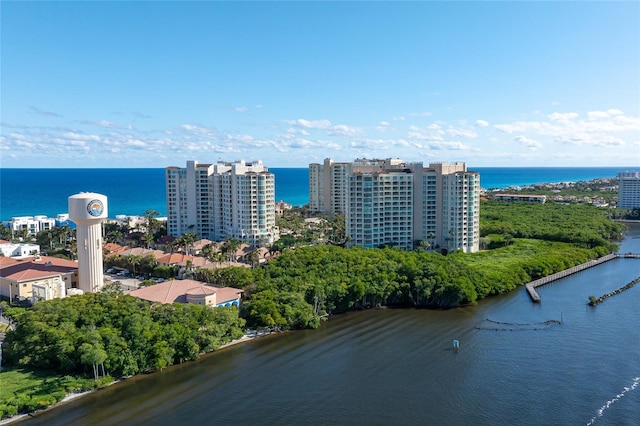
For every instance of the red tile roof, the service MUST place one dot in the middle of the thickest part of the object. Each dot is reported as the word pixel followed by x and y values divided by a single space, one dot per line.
pixel 30 269
pixel 175 291
pixel 173 258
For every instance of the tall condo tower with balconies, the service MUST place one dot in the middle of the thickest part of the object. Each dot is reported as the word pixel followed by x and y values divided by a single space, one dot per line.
pixel 88 210
pixel 629 190
pixel 222 200
pixel 393 203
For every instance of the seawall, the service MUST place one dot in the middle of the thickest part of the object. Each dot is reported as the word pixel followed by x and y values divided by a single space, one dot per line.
pixel 531 287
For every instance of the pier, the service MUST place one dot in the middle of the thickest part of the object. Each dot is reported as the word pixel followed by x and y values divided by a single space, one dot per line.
pixel 531 287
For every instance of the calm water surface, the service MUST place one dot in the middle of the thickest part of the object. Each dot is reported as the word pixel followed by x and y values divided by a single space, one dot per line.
pixel 398 367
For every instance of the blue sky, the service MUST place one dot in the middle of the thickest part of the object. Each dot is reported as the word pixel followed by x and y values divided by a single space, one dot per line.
pixel 154 84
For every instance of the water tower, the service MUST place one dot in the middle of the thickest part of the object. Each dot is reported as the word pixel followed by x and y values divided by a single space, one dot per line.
pixel 87 210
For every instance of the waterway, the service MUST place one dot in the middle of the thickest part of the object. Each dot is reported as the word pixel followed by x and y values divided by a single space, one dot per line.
pixel 393 366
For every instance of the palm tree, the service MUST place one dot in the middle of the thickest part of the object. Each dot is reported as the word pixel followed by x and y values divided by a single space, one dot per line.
pixel 152 223
pixel 208 251
pixel 253 257
pixel 171 246
pixel 148 239
pixel 229 247
pixel 188 270
pixel 125 229
pixel 133 261
pixel 423 245
pixel 188 239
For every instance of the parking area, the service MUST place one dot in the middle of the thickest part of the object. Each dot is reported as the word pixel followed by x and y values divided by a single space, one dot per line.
pixel 127 284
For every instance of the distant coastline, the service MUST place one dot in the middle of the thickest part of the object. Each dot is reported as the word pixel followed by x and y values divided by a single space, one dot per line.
pixel 29 192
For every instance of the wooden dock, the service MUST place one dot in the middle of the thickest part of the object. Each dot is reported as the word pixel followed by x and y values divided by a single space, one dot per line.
pixel 531 287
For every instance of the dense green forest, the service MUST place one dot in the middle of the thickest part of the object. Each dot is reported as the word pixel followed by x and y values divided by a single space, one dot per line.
pixel 581 224
pixel 302 285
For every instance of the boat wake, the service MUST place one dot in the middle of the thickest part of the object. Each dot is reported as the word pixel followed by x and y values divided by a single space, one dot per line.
pixel 488 324
pixel 602 409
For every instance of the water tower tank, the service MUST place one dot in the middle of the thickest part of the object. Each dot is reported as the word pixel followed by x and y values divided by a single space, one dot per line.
pixel 87 210
pixel 88 207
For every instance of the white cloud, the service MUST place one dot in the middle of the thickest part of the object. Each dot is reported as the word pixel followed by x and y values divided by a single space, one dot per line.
pixel 562 116
pixel 597 115
pixel 105 123
pixel 426 134
pixel 296 131
pixel 528 142
pixel 198 130
pixel 332 129
pixel 461 133
pixel 601 128
pixel 310 124
pixel 452 146
pixel 241 109
pixel 80 137
pixel 547 138
pixel 137 143
pixel 16 136
pixel 344 130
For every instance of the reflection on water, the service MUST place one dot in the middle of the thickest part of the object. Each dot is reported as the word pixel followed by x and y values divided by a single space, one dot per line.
pixel 392 366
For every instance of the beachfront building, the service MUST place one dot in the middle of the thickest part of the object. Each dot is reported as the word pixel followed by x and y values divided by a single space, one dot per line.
pixel 222 201
pixel 629 190
pixel 30 224
pixel 393 203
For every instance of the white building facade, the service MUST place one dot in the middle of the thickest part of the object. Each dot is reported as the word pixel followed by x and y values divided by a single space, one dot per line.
pixel 31 224
pixel 629 190
pixel 393 203
pixel 19 250
pixel 221 201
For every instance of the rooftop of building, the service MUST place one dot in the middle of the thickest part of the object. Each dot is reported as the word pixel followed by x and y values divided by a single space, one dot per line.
pixel 175 291
pixel 37 267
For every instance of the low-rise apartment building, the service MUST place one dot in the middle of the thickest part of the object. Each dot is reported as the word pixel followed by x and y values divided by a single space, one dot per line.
pixel 521 197
pixel 37 278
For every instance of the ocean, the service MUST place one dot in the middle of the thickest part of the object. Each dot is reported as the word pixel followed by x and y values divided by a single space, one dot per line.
pixel 30 192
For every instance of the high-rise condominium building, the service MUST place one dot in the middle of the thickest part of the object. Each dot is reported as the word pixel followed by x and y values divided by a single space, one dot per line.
pixel 223 200
pixel 629 190
pixel 390 202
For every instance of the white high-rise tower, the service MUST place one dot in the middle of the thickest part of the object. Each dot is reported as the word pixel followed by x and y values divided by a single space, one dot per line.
pixel 87 210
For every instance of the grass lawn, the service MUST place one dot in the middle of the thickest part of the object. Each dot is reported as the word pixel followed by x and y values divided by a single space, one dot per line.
pixel 14 382
pixel 23 391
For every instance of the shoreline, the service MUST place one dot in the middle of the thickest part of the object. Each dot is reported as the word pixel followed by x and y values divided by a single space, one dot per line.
pixel 248 336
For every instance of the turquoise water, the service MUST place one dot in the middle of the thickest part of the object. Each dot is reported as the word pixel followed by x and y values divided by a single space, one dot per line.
pixel 29 192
